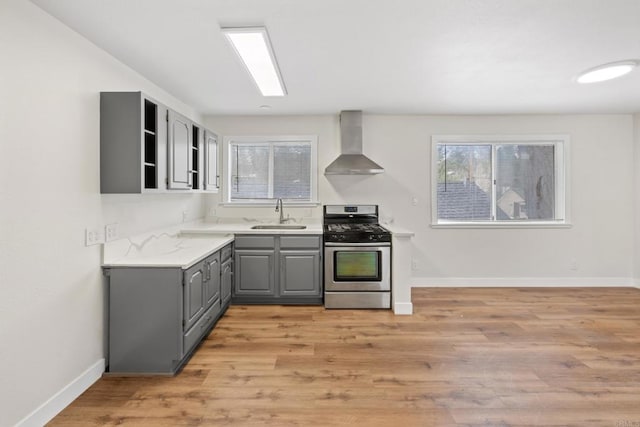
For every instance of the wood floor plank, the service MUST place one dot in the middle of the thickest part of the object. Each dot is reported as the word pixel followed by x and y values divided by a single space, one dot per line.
pixel 467 357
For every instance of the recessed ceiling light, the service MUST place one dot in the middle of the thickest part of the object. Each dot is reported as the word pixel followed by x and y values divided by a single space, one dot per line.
pixel 607 71
pixel 254 48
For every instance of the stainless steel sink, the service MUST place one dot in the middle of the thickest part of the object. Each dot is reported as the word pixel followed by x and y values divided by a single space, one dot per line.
pixel 279 227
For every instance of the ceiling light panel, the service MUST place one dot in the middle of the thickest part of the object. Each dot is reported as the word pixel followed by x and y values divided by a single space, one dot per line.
pixel 254 49
pixel 607 71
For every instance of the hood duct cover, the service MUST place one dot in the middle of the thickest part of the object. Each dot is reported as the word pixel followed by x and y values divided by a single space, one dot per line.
pixel 352 161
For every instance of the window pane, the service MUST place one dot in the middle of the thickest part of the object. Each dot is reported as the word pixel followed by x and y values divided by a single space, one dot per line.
pixel 464 182
pixel 292 171
pixel 525 187
pixel 249 171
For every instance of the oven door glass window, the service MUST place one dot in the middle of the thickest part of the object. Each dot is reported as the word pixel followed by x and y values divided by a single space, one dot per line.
pixel 357 266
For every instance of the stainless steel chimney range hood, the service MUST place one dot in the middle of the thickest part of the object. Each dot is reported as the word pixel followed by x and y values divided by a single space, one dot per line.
pixel 351 161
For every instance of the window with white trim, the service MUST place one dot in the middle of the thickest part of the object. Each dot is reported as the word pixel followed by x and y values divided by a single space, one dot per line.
pixel 262 169
pixel 499 180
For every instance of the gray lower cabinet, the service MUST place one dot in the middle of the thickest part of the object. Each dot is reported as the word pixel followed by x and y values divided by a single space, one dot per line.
pixel 157 316
pixel 226 278
pixel 212 276
pixel 299 273
pixel 226 274
pixel 255 272
pixel 278 269
pixel 194 286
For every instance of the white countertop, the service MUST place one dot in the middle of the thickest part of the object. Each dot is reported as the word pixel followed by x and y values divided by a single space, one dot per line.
pixel 244 227
pixel 162 250
pixel 208 228
pixel 398 231
pixel 186 244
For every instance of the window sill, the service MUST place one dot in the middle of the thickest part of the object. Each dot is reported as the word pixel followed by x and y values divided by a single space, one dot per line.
pixel 478 225
pixel 269 204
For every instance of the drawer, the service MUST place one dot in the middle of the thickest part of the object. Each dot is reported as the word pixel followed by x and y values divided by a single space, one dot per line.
pixel 255 242
pixel 225 253
pixel 193 335
pixel 300 242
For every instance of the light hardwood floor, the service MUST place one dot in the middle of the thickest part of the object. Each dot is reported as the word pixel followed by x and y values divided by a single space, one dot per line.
pixel 484 356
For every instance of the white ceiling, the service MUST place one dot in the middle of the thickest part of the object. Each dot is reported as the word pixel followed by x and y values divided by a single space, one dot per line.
pixel 380 56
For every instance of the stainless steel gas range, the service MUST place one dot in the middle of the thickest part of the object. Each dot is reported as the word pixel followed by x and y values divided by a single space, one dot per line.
pixel 357 258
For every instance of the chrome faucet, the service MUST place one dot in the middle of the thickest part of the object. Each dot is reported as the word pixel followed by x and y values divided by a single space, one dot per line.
pixel 280 209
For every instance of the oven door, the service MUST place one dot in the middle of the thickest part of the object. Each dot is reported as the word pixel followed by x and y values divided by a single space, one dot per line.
pixel 357 267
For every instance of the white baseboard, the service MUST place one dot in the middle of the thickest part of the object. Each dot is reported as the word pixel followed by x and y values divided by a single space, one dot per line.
pixel 402 308
pixel 470 282
pixel 52 407
pixel 636 283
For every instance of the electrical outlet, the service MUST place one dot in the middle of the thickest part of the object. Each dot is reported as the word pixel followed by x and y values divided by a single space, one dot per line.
pixel 93 236
pixel 573 265
pixel 185 214
pixel 110 232
pixel 414 201
pixel 414 264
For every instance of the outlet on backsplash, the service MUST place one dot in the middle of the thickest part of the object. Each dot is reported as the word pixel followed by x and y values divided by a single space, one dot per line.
pixel 93 236
pixel 185 215
pixel 110 232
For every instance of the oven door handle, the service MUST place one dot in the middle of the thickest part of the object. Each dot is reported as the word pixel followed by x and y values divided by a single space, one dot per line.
pixel 358 245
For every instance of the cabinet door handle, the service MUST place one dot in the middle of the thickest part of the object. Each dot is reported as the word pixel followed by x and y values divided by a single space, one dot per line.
pixel 218 181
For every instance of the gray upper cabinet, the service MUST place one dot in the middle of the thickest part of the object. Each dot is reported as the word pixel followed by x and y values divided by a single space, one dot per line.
pixel 146 147
pixel 211 162
pixel 133 135
pixel 179 152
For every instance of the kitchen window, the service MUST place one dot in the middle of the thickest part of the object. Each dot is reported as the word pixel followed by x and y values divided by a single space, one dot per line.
pixel 499 181
pixel 263 169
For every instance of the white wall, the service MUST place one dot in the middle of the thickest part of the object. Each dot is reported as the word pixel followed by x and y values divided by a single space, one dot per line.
pixel 327 129
pixel 601 178
pixel 51 291
pixel 636 198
